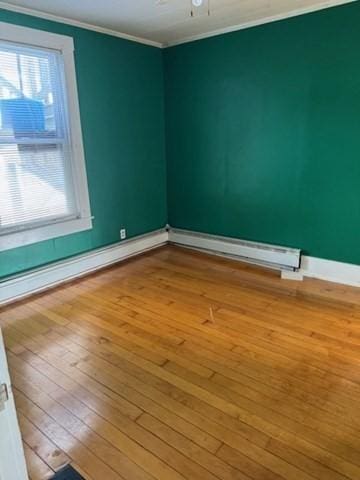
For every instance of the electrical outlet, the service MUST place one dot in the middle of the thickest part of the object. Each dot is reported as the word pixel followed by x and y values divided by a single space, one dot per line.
pixel 122 234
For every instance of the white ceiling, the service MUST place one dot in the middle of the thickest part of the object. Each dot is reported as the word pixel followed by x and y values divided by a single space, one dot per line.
pixel 167 22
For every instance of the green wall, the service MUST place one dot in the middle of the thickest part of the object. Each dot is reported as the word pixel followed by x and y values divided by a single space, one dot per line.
pixel 120 86
pixel 262 136
pixel 263 133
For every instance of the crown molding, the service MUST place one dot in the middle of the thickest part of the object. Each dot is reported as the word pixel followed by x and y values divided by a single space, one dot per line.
pixel 76 23
pixel 260 21
pixel 192 38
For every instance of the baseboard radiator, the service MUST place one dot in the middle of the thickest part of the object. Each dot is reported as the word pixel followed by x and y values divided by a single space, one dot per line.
pixel 39 279
pixel 280 258
pixel 287 260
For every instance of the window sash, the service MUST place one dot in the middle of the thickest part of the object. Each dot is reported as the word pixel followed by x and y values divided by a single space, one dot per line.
pixel 24 226
pixel 46 137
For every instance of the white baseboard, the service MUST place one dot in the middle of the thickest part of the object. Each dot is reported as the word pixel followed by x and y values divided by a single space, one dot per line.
pixel 23 285
pixel 331 271
pixel 296 275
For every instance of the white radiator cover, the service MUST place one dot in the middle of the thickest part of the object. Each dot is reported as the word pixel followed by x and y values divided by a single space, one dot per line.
pixel 260 253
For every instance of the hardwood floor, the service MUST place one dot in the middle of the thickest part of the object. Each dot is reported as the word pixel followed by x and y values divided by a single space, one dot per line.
pixel 177 365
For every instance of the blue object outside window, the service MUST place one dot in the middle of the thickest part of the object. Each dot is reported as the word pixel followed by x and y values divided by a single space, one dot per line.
pixel 24 116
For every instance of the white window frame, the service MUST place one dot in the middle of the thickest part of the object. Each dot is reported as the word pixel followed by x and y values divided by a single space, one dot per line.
pixel 65 45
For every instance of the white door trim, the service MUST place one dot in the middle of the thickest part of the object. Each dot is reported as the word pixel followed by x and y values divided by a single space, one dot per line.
pixel 14 465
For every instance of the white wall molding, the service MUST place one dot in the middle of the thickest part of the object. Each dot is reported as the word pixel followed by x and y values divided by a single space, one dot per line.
pixel 331 271
pixel 77 23
pixel 23 285
pixel 115 33
pixel 295 275
pixel 260 21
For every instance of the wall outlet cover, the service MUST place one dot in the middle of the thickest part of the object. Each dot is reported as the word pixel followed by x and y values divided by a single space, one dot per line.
pixel 123 234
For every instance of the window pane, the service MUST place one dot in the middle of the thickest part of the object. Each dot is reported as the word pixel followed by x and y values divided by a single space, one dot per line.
pixel 29 93
pixel 32 184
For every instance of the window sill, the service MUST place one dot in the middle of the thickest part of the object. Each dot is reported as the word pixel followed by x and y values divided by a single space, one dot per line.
pixel 41 233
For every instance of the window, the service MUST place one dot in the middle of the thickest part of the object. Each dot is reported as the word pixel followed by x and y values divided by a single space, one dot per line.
pixel 43 187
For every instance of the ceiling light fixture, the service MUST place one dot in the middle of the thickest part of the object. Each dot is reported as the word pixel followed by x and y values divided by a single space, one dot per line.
pixel 199 7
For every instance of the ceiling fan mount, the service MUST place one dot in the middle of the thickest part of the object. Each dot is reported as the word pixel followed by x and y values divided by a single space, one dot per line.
pixel 197 7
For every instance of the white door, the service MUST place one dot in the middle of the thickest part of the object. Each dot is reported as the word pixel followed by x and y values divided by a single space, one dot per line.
pixel 12 460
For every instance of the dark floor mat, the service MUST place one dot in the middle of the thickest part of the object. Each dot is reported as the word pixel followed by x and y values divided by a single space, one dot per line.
pixel 67 473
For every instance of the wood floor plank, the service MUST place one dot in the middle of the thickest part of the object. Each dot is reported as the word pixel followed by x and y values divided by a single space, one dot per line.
pixel 189 430
pixel 189 449
pixel 37 468
pixel 182 366
pixel 64 440
pixel 42 445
